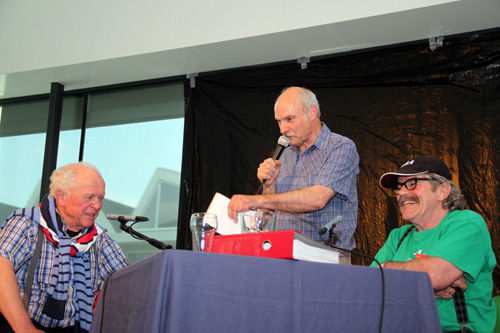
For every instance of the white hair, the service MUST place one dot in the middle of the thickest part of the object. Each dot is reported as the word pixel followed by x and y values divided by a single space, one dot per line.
pixel 307 98
pixel 64 177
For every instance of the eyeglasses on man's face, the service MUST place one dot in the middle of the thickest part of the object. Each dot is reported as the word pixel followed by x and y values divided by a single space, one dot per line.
pixel 410 184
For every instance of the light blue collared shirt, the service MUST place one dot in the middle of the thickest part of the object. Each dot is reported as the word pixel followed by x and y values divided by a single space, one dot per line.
pixel 332 161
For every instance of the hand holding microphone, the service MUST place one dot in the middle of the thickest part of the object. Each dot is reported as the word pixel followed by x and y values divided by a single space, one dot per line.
pixel 268 171
pixel 268 168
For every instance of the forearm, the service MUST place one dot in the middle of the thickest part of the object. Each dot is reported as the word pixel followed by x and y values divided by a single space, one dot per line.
pixel 11 304
pixel 306 200
pixel 300 201
pixel 441 272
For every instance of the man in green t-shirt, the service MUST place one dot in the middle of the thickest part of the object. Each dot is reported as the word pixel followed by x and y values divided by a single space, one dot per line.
pixel 445 240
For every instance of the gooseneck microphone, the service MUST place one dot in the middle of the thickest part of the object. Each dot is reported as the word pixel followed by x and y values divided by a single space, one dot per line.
pixel 127 218
pixel 123 219
pixel 283 142
pixel 330 225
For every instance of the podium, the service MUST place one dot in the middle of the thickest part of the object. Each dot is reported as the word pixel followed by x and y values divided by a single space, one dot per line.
pixel 185 291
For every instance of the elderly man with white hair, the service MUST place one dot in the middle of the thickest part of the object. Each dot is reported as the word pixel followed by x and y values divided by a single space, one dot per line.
pixel 75 256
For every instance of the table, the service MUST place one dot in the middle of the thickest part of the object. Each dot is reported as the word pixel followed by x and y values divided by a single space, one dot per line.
pixel 185 291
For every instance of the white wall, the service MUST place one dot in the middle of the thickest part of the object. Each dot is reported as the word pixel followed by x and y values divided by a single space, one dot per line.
pixel 38 34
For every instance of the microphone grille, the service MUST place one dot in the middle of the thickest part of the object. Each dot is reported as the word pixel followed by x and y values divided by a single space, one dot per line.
pixel 283 141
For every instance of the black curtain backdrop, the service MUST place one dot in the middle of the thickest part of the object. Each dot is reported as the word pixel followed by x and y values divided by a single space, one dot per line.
pixel 394 103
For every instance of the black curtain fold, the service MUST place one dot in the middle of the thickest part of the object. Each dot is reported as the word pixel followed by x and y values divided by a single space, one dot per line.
pixel 394 103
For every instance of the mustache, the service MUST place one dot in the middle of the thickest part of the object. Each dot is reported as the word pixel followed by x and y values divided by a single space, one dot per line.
pixel 407 197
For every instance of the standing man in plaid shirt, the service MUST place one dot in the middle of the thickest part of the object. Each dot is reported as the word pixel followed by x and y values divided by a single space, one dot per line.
pixel 315 180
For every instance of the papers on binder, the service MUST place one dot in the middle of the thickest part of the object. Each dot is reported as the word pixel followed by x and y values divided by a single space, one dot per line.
pixel 218 206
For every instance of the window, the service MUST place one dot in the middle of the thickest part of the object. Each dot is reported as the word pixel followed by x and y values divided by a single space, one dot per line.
pixel 70 135
pixel 22 144
pixel 134 137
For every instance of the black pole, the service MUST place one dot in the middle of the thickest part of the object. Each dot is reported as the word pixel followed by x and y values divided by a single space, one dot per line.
pixel 52 138
pixel 137 235
pixel 86 103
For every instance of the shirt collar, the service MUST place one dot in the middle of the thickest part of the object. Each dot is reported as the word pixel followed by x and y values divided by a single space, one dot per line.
pixel 321 141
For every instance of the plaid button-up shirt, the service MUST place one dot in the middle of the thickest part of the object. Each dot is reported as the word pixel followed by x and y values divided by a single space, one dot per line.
pixel 17 242
pixel 332 161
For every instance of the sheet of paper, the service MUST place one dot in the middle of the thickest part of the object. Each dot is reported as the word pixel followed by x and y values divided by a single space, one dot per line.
pixel 218 206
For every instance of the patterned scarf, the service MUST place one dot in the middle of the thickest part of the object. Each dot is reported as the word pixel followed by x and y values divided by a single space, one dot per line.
pixel 63 273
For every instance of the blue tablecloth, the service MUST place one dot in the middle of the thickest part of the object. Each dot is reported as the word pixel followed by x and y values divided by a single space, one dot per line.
pixel 184 291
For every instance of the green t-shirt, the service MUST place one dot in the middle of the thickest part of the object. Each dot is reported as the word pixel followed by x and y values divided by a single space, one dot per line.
pixel 462 238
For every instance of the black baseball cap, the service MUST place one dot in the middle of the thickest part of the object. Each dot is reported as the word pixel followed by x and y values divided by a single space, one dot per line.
pixel 418 166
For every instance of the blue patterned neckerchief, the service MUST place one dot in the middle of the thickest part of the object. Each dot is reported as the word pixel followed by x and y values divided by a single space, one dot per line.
pixel 64 273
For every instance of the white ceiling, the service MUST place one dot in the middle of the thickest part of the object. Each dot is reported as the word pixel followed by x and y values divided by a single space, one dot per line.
pixel 447 19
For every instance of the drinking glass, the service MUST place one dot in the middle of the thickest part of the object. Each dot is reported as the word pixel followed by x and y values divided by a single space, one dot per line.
pixel 203 228
pixel 254 221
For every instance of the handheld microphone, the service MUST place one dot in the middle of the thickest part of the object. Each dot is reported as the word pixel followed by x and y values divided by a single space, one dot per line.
pixel 126 218
pixel 283 142
pixel 330 225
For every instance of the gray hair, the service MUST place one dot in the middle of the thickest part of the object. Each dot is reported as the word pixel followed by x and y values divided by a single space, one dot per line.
pixel 308 99
pixel 455 200
pixel 64 177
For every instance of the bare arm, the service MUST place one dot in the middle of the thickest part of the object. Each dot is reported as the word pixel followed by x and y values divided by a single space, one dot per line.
pixel 306 200
pixel 441 272
pixel 11 304
pixel 448 292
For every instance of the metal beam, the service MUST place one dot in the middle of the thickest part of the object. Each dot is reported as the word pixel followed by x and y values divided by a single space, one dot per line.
pixel 52 138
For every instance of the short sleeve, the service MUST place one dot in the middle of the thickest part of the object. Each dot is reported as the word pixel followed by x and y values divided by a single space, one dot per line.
pixel 462 242
pixel 16 239
pixel 341 168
